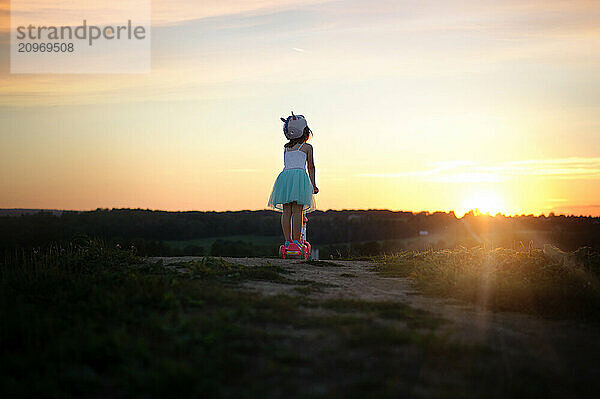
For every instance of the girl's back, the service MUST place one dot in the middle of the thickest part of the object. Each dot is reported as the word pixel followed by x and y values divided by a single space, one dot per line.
pixel 294 159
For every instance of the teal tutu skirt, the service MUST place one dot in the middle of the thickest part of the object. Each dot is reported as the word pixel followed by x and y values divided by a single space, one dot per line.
pixel 292 185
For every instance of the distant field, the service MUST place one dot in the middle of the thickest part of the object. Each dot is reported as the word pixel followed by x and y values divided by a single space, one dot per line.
pixel 208 242
pixel 265 246
pixel 434 240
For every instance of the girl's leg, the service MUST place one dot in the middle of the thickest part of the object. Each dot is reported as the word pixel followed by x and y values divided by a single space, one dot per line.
pixel 296 220
pixel 286 221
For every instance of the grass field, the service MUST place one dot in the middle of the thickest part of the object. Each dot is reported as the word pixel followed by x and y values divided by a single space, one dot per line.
pixel 544 282
pixel 94 321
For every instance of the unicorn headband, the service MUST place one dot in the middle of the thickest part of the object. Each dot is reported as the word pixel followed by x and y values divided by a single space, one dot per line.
pixel 293 126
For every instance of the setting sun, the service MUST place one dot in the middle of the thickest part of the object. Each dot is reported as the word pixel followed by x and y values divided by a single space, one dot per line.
pixel 487 201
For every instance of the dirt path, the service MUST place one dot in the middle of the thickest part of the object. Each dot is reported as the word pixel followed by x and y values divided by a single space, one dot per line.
pixel 561 344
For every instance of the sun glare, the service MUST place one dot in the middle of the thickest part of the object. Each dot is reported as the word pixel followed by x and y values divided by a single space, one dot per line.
pixel 484 202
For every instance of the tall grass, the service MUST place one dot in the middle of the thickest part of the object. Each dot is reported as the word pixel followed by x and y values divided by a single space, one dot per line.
pixel 86 253
pixel 82 317
pixel 546 282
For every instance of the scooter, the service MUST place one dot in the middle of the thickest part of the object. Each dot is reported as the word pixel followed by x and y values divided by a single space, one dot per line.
pixel 293 250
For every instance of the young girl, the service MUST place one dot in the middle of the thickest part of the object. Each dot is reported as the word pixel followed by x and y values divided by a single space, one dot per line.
pixel 294 188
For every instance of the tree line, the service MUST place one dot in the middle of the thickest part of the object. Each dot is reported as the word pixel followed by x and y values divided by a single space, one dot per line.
pixel 346 232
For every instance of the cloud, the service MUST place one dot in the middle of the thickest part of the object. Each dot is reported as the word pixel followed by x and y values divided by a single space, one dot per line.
pixel 180 11
pixel 565 168
pixel 164 13
pixel 574 168
pixel 384 39
pixel 416 15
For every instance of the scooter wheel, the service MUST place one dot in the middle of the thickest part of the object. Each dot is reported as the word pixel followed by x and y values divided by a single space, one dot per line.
pixel 282 251
pixel 304 254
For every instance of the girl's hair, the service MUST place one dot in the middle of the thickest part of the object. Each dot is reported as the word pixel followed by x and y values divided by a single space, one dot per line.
pixel 302 139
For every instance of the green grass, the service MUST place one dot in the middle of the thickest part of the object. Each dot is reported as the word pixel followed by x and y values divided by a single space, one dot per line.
pixel 94 321
pixel 217 268
pixel 504 279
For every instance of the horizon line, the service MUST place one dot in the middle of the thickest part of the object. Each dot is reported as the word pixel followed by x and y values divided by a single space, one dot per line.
pixel 475 212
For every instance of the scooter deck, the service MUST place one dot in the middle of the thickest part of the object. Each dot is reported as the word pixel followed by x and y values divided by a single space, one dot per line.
pixel 293 251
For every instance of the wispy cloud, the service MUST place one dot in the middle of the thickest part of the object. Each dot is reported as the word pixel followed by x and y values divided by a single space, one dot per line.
pixel 466 36
pixel 574 168
pixel 164 13
pixel 167 13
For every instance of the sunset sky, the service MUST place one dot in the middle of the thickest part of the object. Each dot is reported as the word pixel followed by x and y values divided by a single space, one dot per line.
pixel 415 105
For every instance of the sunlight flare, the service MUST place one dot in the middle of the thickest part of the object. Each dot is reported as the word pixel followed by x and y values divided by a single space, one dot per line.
pixel 484 201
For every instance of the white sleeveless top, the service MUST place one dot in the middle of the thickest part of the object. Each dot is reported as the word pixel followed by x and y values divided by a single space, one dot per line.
pixel 294 159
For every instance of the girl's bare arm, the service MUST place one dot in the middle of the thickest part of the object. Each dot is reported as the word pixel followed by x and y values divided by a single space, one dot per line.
pixel 310 161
